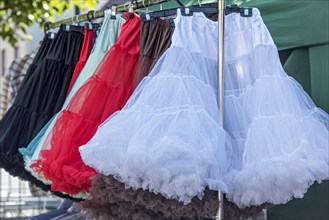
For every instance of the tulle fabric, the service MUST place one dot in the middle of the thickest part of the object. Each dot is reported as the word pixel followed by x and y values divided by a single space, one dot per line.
pixel 280 137
pixel 168 138
pixel 104 93
pixel 107 37
pixel 41 95
pixel 87 45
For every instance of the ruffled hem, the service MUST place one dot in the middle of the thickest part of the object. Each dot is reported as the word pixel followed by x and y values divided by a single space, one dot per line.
pixel 254 186
pixel 13 164
pixel 21 119
pixel 143 163
pixel 290 158
pixel 13 168
pixel 57 168
pixel 65 178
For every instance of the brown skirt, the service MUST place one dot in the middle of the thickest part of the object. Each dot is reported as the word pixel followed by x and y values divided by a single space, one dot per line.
pixel 155 39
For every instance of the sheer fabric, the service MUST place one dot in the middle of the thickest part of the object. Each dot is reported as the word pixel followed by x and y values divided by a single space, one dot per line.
pixel 280 137
pixel 104 93
pixel 169 137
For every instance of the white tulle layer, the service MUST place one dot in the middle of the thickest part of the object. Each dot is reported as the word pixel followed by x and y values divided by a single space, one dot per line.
pixel 279 165
pixel 280 138
pixel 171 152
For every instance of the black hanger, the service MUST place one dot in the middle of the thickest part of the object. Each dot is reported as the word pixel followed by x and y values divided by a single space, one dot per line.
pixel 244 12
pixel 75 28
pixel 188 11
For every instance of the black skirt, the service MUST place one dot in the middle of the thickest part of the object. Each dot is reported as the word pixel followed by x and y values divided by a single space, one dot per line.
pixel 40 96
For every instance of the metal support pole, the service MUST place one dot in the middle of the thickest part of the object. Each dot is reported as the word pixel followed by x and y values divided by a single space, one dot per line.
pixel 221 16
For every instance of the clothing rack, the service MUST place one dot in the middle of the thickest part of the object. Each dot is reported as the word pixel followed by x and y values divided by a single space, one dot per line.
pixel 99 14
pixel 144 3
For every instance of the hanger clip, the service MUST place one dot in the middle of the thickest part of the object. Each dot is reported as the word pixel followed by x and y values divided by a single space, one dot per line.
pixel 246 12
pixel 90 26
pixel 186 11
pixel 113 11
pixel 147 17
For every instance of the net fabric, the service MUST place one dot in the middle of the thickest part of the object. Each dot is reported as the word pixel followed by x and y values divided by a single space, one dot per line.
pixel 105 92
pixel 280 137
pixel 168 138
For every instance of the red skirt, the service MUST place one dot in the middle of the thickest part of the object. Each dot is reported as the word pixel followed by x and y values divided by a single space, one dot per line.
pixel 104 93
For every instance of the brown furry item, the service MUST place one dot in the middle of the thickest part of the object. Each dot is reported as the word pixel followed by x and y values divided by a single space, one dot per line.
pixel 111 200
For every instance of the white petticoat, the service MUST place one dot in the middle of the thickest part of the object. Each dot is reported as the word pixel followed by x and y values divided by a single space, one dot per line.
pixel 280 138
